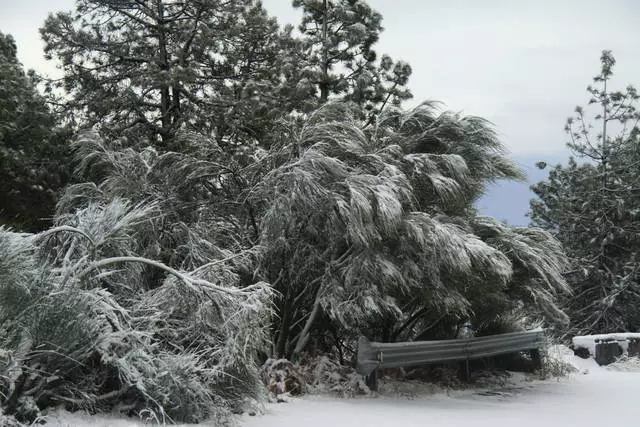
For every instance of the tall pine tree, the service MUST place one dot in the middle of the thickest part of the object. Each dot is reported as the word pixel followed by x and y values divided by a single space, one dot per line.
pixel 152 68
pixel 338 60
pixel 592 205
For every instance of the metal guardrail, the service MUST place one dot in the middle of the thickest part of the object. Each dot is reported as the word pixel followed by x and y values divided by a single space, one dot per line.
pixel 374 355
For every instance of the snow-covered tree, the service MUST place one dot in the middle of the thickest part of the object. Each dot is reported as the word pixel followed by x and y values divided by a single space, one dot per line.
pixel 592 206
pixel 372 229
pixel 336 57
pixel 140 298
pixel 152 68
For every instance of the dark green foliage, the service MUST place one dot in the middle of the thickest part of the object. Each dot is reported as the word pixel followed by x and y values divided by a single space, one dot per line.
pixel 150 69
pixel 32 164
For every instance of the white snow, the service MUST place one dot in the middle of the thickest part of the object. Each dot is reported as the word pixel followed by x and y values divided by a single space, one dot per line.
pixel 593 396
pixel 589 341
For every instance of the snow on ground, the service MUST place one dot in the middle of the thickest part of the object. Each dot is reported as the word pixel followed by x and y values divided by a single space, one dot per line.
pixel 591 396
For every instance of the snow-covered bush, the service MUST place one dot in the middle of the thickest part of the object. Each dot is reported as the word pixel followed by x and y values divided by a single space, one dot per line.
pixel 281 376
pixel 80 326
pixel 312 374
pixel 626 364
pixel 7 421
pixel 553 367
pixel 323 374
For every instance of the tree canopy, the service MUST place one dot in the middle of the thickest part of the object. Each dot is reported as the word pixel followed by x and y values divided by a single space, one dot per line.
pixel 366 227
pixel 31 146
pixel 338 57
pixel 152 68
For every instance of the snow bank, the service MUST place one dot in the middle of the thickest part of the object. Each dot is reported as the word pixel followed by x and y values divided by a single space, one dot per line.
pixel 625 364
pixel 589 341
pixel 563 354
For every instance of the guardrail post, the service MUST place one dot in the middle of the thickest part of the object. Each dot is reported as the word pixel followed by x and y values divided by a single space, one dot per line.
pixel 372 380
pixel 607 351
pixel 467 366
pixel 536 359
pixel 634 347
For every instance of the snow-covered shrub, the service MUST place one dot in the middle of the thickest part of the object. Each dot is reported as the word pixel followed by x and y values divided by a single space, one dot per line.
pixel 79 325
pixel 312 374
pixel 8 421
pixel 554 368
pixel 282 376
pixel 325 375
pixel 555 362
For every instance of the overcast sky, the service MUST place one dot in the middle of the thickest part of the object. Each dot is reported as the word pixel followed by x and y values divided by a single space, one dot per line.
pixel 522 64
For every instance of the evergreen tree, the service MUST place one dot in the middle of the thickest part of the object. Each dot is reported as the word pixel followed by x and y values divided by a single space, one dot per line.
pixel 154 67
pixel 31 147
pixel 372 230
pixel 337 59
pixel 592 206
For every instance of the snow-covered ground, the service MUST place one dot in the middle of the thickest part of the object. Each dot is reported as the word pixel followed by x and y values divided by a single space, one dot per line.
pixel 592 396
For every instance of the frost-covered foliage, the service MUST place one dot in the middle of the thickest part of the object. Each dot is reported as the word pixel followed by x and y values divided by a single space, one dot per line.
pixel 312 374
pixel 149 293
pixel 154 69
pixel 538 262
pixel 339 61
pixel 323 374
pixel 371 229
pixel 281 376
pixel 81 324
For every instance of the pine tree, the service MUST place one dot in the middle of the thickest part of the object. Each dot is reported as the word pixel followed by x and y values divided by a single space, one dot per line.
pixel 31 146
pixel 592 206
pixel 372 230
pixel 155 67
pixel 337 57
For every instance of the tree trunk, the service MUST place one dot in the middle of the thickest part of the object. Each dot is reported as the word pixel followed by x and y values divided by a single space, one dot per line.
pixel 324 84
pixel 283 333
pixel 303 339
pixel 163 64
pixel 605 154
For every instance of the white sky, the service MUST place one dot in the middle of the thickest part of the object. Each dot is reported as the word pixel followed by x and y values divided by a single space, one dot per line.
pixel 522 64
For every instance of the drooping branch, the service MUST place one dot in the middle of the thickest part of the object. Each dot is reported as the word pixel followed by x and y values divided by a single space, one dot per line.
pixel 186 278
pixel 68 229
